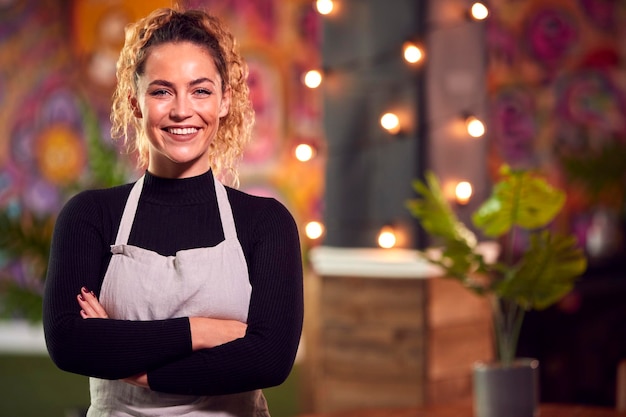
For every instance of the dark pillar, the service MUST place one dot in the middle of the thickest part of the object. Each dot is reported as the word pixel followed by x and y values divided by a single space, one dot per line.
pixel 369 172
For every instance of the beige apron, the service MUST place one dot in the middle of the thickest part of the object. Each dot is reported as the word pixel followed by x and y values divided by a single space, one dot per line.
pixel 142 285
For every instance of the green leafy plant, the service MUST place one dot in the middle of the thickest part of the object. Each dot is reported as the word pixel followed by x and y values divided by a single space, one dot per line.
pixel 25 237
pixel 532 277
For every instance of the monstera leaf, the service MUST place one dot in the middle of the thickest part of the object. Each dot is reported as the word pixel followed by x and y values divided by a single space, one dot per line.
pixel 546 272
pixel 521 199
pixel 542 275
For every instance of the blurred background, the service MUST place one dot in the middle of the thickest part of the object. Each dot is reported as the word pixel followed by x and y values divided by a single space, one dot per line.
pixel 400 87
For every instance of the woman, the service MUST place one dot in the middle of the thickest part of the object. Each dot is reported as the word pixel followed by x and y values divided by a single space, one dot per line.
pixel 189 292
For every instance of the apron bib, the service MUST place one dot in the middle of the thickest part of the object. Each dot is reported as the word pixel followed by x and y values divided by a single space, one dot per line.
pixel 140 284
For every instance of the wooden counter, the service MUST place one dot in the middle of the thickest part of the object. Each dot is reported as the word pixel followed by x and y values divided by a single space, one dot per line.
pixel 465 410
pixel 382 329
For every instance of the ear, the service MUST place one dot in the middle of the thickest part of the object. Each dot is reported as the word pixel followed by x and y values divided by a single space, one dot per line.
pixel 225 103
pixel 134 104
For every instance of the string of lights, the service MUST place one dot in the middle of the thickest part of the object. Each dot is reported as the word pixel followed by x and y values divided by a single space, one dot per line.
pixel 413 54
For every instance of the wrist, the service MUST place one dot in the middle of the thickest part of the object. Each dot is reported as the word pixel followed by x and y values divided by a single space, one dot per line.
pixel 196 334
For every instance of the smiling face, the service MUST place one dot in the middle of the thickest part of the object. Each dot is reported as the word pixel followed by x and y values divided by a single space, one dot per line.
pixel 180 101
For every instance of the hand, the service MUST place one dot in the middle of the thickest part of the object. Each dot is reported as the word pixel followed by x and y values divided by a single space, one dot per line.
pixel 140 380
pixel 207 333
pixel 90 306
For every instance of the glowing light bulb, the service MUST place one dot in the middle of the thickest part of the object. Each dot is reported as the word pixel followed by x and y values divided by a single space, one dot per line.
pixel 390 122
pixel 387 238
pixel 304 152
pixel 314 230
pixel 463 192
pixel 313 79
pixel 324 6
pixel 475 128
pixel 412 53
pixel 479 11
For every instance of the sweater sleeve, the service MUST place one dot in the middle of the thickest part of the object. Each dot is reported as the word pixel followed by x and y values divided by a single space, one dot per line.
pixel 103 348
pixel 265 356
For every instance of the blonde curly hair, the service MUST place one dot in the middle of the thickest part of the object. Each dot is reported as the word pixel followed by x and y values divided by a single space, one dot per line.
pixel 174 25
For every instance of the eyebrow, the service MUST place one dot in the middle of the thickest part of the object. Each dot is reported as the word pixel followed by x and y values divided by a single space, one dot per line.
pixel 165 83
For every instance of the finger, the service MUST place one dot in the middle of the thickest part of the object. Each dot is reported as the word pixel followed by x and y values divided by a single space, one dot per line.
pixel 91 298
pixel 140 380
pixel 87 311
pixel 87 303
pixel 91 308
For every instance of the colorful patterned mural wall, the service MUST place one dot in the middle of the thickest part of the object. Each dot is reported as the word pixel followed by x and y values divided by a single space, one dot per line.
pixel 57 74
pixel 557 90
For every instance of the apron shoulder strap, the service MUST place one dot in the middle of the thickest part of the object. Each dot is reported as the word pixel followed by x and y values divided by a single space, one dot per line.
pixel 226 213
pixel 123 232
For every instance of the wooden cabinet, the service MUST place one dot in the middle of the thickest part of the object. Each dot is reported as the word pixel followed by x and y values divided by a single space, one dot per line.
pixel 382 329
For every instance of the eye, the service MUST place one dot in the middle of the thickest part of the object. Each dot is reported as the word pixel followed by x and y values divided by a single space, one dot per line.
pixel 158 93
pixel 203 92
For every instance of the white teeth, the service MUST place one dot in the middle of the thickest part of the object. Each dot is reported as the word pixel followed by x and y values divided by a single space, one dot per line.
pixel 182 131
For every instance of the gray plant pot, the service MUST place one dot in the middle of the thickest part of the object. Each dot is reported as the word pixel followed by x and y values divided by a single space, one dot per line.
pixel 507 391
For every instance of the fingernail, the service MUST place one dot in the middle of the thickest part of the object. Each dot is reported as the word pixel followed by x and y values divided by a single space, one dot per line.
pixel 92 293
pixel 85 290
pixel 80 297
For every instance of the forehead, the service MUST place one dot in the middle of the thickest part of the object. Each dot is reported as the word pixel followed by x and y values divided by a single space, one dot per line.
pixel 180 59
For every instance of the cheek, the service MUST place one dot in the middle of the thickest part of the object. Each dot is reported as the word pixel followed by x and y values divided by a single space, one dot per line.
pixel 155 112
pixel 208 112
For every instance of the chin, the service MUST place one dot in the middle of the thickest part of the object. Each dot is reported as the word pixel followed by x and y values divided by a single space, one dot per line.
pixel 200 163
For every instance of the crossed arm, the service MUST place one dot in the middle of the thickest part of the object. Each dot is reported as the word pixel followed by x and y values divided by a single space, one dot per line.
pixel 205 332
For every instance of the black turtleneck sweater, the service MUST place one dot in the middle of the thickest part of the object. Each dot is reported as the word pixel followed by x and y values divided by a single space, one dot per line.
pixel 173 215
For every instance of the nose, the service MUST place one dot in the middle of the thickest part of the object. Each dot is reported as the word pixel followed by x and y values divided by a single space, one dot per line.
pixel 181 108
